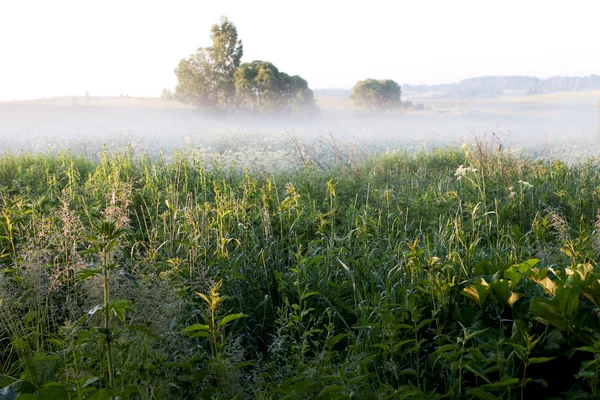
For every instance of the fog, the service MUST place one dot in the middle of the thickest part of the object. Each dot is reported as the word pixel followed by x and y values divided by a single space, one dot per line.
pixel 551 126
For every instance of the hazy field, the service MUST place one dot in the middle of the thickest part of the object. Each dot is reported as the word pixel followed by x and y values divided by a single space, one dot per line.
pixel 544 122
pixel 269 258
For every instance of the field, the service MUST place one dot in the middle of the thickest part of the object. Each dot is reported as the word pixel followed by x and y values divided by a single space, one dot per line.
pixel 297 265
pixel 533 125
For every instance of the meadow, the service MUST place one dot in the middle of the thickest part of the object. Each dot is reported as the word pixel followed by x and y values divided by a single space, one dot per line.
pixel 148 252
pixel 450 272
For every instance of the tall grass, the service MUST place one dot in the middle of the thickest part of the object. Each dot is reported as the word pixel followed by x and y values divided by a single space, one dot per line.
pixel 450 273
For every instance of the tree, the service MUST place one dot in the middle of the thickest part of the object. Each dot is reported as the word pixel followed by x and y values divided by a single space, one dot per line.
pixel 206 79
pixel 261 87
pixel 376 95
pixel 166 94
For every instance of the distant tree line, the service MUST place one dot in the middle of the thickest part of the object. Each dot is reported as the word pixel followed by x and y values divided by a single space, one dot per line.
pixel 493 86
pixel 215 79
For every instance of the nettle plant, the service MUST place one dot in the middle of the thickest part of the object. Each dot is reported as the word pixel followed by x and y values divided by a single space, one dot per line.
pixel 214 369
pixel 105 242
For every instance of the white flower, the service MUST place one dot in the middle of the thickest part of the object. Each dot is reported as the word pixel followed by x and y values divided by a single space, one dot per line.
pixel 526 185
pixel 462 171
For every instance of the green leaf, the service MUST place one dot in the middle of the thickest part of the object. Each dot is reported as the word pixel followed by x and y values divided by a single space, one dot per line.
pixel 501 288
pixel 329 389
pixel 539 360
pixel 241 365
pixel 47 358
pixel 360 378
pixel 516 272
pixel 588 349
pixel 481 394
pixel 332 341
pixel 88 273
pixel 367 359
pixel 119 307
pixel 544 311
pixel 506 382
pixel 195 327
pixel 445 348
pixel 424 322
pixel 30 316
pixel 90 381
pixel 477 370
pixel 8 271
pixel 402 343
pixel 308 294
pixel 229 318
pixel 478 292
pixel 383 346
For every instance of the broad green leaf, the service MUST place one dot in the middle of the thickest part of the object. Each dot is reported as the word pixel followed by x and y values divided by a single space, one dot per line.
pixel 481 394
pixel 544 311
pixel 478 292
pixel 516 272
pixel 229 318
pixel 547 284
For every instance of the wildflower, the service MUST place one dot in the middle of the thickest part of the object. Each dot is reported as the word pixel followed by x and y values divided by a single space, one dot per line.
pixel 462 171
pixel 526 185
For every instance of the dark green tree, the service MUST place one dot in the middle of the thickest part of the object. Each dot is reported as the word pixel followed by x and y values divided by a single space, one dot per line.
pixel 262 88
pixel 206 79
pixel 376 95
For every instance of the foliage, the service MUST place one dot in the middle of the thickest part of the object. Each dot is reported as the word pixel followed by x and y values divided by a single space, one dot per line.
pixel 206 78
pixel 456 273
pixel 261 87
pixel 376 95
pixel 167 94
pixel 213 79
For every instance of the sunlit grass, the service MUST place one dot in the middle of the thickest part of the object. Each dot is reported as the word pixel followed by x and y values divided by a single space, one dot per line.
pixel 444 273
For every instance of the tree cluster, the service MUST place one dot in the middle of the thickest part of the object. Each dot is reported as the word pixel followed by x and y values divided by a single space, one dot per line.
pixel 213 78
pixel 376 95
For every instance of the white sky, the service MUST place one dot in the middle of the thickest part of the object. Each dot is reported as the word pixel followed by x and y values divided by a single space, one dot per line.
pixel 65 47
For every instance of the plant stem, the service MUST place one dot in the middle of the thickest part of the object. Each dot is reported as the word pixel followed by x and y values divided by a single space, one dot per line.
pixel 109 353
